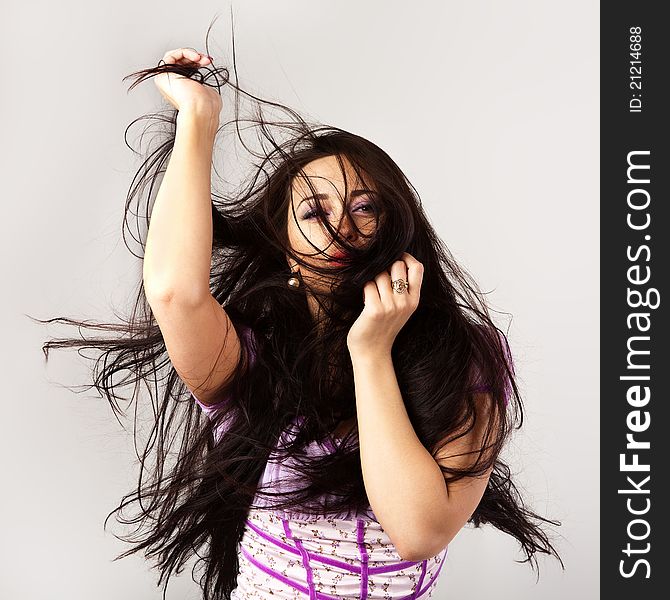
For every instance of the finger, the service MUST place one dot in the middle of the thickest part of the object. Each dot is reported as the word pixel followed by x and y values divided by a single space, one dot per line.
pixel 414 277
pixel 383 281
pixel 399 270
pixel 184 55
pixel 370 293
pixel 199 56
pixel 173 56
pixel 409 259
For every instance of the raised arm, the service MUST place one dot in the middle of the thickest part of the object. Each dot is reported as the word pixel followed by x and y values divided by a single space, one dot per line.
pixel 178 253
pixel 198 333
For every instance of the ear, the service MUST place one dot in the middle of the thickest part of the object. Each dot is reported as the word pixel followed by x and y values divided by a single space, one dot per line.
pixel 295 270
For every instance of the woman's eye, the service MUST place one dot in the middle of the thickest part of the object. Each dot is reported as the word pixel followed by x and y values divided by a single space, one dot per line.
pixel 364 208
pixel 312 213
pixel 370 207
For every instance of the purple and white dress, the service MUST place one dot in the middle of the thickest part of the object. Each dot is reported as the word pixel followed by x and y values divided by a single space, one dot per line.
pixel 286 555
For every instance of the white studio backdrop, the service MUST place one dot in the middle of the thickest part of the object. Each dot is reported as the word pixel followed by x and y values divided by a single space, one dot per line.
pixel 490 108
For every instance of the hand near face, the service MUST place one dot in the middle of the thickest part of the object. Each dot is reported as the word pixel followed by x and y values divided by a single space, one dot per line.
pixel 386 311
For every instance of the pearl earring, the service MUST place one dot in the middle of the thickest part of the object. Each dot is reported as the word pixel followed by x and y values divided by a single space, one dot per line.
pixel 294 281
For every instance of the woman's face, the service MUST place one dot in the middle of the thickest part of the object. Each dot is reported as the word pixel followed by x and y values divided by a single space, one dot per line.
pixel 357 209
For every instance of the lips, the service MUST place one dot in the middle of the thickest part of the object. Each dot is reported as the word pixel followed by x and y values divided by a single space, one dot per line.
pixel 338 257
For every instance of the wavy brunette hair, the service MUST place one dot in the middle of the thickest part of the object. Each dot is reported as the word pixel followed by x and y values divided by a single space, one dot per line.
pixel 195 488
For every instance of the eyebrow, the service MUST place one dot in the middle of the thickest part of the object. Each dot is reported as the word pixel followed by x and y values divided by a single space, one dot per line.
pixel 353 194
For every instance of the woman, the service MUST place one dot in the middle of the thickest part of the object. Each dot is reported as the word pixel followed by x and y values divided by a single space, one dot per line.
pixel 356 393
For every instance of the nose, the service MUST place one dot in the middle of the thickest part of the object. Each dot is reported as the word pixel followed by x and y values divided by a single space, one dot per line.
pixel 346 228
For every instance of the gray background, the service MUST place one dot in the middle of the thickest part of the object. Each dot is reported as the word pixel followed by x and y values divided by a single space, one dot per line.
pixel 491 109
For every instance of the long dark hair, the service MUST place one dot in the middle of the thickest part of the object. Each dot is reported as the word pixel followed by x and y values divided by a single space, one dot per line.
pixel 195 489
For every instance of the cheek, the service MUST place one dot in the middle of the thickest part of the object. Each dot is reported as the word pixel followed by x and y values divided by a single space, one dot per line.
pixel 310 232
pixel 301 242
pixel 297 234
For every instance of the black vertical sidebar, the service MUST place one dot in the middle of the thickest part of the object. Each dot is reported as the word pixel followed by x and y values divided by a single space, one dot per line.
pixel 635 267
